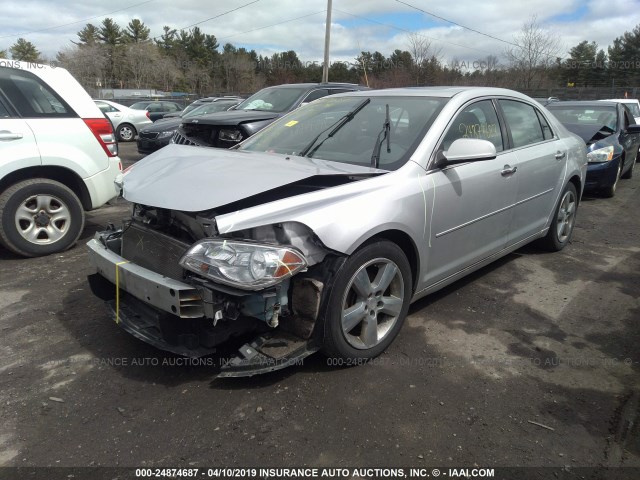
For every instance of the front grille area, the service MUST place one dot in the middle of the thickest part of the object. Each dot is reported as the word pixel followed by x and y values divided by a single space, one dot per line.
pixel 148 135
pixel 179 139
pixel 153 250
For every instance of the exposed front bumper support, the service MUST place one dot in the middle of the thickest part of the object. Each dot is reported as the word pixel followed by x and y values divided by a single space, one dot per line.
pixel 162 292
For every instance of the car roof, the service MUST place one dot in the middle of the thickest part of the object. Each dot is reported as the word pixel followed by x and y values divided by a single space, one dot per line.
pixel 446 92
pixel 619 100
pixel 583 103
pixel 316 85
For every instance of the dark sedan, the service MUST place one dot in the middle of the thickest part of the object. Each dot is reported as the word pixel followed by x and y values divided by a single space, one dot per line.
pixel 611 136
pixel 159 133
pixel 157 109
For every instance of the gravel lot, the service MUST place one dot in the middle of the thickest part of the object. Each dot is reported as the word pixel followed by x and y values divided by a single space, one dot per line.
pixel 535 337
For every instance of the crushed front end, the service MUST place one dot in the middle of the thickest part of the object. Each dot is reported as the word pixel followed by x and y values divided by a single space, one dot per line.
pixel 171 280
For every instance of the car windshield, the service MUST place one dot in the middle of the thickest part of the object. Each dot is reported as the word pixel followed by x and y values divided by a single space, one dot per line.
pixel 586 115
pixel 275 99
pixel 190 108
pixel 212 107
pixel 358 130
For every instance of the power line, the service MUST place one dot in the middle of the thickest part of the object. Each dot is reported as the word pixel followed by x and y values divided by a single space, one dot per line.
pixel 220 15
pixel 77 21
pixel 410 32
pixel 457 24
pixel 273 24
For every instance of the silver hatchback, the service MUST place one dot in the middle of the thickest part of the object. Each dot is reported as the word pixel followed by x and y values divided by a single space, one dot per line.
pixel 319 231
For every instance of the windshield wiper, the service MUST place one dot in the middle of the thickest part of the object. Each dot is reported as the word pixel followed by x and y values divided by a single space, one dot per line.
pixel 386 131
pixel 334 129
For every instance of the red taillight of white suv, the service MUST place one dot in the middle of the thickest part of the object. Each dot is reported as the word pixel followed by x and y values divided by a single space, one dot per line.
pixel 103 131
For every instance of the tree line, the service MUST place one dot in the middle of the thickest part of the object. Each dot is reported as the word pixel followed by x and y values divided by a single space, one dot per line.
pixel 110 56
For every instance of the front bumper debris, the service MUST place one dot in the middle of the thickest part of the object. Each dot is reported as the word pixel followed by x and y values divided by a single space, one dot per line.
pixel 192 320
pixel 267 353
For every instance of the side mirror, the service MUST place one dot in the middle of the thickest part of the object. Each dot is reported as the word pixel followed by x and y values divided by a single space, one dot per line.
pixel 467 150
pixel 633 128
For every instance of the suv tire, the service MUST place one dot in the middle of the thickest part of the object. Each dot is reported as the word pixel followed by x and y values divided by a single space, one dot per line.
pixel 39 217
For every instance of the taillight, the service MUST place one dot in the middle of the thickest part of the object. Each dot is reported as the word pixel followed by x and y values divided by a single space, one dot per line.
pixel 103 131
pixel 147 113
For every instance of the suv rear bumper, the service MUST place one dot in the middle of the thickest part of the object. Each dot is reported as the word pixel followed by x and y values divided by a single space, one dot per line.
pixel 101 186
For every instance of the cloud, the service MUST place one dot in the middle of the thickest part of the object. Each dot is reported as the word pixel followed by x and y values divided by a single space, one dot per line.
pixel 571 20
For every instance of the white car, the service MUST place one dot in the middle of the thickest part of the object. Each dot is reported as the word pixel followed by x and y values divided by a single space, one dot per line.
pixel 58 158
pixel 126 121
pixel 632 104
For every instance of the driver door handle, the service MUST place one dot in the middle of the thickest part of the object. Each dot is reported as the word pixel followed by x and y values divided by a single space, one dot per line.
pixel 560 155
pixel 508 170
pixel 6 135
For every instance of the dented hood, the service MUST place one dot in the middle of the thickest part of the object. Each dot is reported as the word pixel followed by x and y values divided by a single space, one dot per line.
pixel 193 179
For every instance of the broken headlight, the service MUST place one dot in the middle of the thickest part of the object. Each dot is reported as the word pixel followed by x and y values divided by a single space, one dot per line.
pixel 243 265
pixel 230 135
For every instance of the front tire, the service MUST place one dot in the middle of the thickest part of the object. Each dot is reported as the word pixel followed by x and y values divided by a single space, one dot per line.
pixel 126 133
pixel 368 302
pixel 39 217
pixel 564 219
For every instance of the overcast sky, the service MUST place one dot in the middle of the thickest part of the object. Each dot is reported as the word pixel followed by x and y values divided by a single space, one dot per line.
pixel 356 24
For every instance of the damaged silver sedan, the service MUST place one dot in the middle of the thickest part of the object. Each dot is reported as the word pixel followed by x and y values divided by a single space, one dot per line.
pixel 319 231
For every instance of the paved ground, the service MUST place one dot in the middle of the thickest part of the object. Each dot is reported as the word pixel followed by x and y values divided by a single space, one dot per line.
pixel 546 338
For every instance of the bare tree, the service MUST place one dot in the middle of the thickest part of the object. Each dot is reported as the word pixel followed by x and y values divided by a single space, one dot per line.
pixel 87 64
pixel 138 58
pixel 165 72
pixel 534 51
pixel 425 56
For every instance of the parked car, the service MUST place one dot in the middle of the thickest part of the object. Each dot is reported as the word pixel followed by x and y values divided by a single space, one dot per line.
pixel 226 129
pixel 127 122
pixel 159 134
pixel 58 158
pixel 200 102
pixel 612 138
pixel 157 109
pixel 632 104
pixel 546 100
pixel 321 229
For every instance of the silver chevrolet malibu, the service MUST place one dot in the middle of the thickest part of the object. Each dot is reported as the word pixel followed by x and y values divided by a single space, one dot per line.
pixel 319 231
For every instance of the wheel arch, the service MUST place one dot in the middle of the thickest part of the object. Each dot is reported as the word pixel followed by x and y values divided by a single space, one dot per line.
pixel 406 244
pixel 575 179
pixel 63 175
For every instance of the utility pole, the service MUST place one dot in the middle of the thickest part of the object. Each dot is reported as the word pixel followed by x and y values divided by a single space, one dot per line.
pixel 327 35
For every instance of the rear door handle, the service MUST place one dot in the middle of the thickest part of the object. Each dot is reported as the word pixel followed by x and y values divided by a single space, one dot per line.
pixel 560 155
pixel 6 135
pixel 508 170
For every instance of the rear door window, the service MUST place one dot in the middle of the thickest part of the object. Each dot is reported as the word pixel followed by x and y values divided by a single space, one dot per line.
pixel 523 123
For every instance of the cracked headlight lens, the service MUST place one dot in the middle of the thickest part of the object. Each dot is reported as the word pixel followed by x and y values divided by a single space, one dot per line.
pixel 248 266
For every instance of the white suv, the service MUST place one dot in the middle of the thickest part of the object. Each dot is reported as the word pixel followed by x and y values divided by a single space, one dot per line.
pixel 58 158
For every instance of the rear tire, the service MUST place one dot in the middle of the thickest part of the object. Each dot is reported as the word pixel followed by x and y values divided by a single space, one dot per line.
pixel 39 217
pixel 126 133
pixel 564 219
